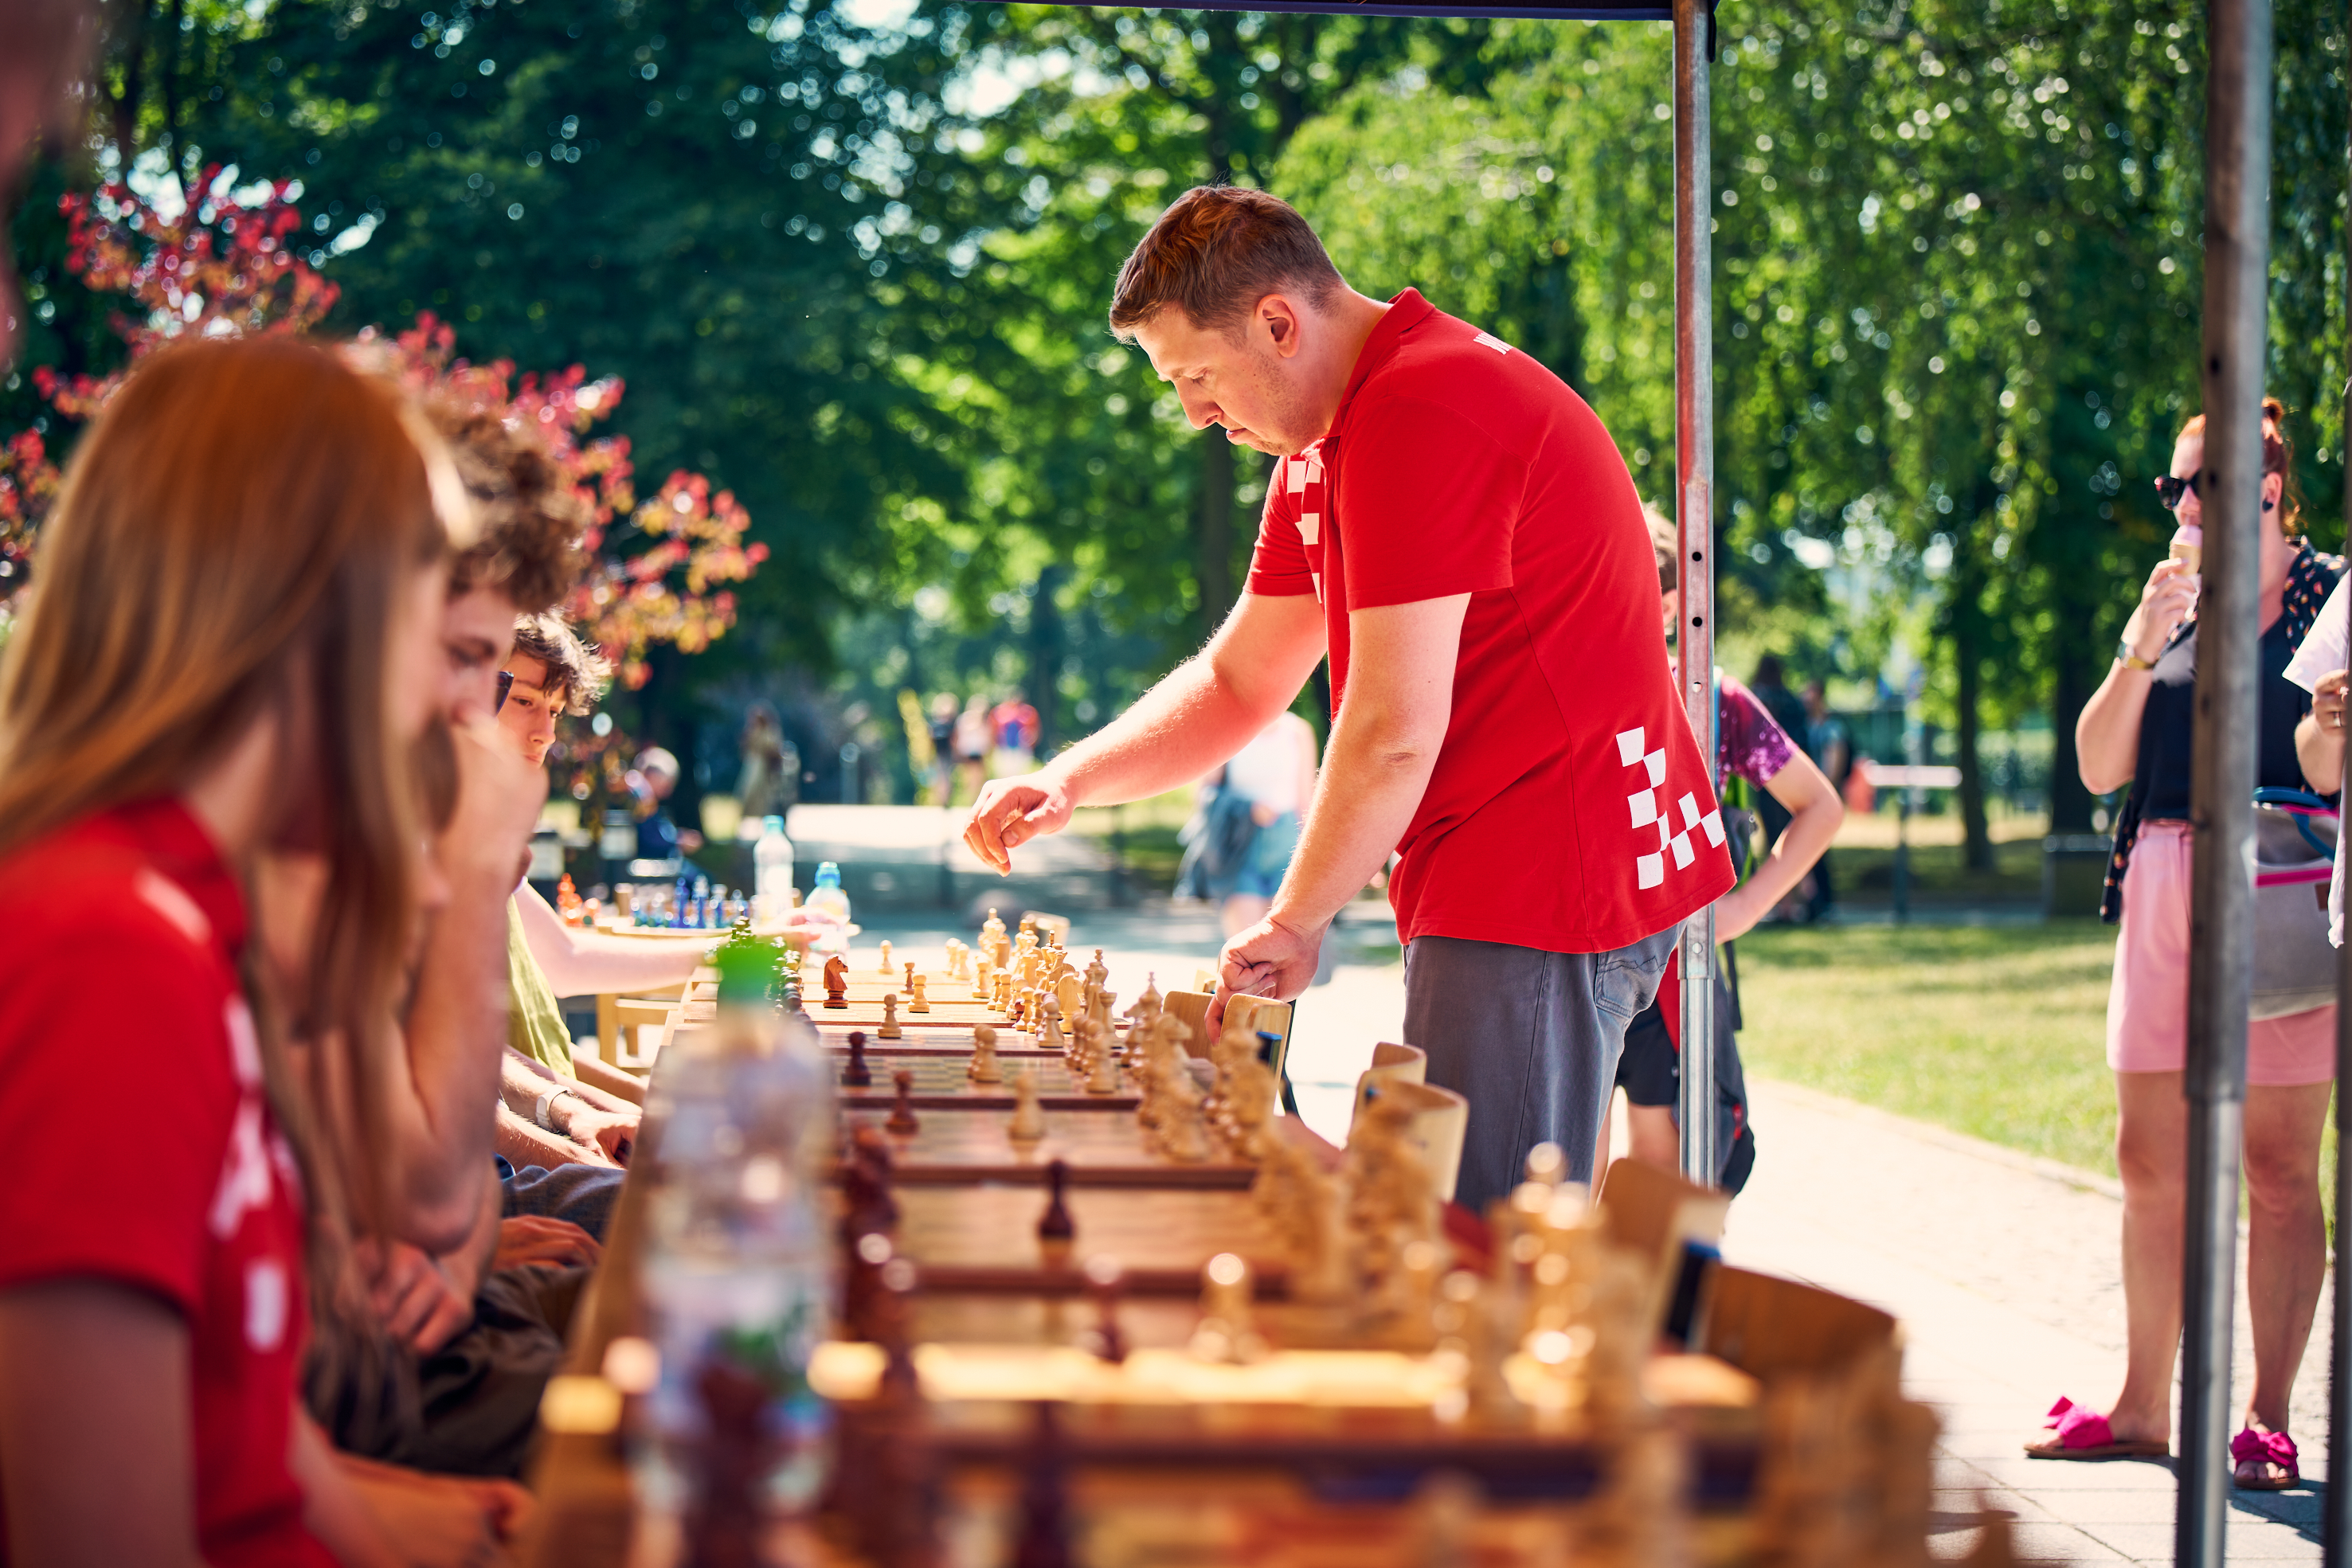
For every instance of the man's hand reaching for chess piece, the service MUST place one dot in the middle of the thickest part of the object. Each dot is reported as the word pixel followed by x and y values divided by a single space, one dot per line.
pixel 1012 812
pixel 1272 958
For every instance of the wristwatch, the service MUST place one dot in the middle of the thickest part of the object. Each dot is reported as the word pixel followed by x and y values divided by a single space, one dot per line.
pixel 547 1103
pixel 2129 660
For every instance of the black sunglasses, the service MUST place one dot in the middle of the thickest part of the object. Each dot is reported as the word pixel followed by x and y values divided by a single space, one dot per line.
pixel 506 681
pixel 2170 489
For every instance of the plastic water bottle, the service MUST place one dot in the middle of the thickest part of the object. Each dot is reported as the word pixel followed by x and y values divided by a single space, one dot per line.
pixel 772 883
pixel 738 1267
pixel 826 898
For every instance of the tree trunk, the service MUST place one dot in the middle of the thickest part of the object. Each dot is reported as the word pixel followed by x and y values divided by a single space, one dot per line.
pixel 2070 802
pixel 1046 643
pixel 1967 654
pixel 1214 529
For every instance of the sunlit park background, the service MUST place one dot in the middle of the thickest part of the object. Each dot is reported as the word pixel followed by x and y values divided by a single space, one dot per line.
pixel 814 299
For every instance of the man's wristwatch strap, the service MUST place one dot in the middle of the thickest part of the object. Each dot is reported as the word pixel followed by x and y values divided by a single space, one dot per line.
pixel 2129 660
pixel 547 1103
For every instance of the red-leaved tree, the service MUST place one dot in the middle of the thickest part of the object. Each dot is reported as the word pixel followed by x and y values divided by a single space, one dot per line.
pixel 226 264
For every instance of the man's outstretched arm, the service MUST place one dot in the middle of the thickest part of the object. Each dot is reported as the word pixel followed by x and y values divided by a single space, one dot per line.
pixel 1196 718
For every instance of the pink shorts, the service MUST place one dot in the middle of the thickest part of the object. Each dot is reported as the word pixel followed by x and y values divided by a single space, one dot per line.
pixel 2147 1004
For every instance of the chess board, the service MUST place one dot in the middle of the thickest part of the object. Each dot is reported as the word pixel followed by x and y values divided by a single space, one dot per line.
pixel 941 1084
pixel 970 1147
pixel 983 1238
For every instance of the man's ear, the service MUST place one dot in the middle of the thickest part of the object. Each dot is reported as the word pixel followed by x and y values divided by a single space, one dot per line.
pixel 1280 320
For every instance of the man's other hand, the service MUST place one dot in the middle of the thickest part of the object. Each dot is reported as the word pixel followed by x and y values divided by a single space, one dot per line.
pixel 1269 959
pixel 1012 812
pixel 414 1296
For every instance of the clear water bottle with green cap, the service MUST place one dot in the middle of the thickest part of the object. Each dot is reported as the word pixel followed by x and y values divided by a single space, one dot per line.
pixel 772 881
pixel 826 898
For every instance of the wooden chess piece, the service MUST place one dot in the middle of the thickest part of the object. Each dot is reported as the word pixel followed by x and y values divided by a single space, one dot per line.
pixel 921 1003
pixel 983 982
pixel 886 957
pixel 1104 1277
pixel 1049 1023
pixel 890 1030
pixel 983 1068
pixel 857 1075
pixel 1044 1539
pixel 836 982
pixel 909 986
pixel 725 1521
pixel 1104 1079
pixel 1056 1225
pixel 902 1113
pixel 1028 1117
pixel 1228 1328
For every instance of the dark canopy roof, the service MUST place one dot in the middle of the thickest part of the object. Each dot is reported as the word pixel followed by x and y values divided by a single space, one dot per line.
pixel 1584 11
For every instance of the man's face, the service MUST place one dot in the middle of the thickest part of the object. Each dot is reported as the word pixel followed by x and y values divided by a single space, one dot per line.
pixel 529 716
pixel 476 635
pixel 1251 382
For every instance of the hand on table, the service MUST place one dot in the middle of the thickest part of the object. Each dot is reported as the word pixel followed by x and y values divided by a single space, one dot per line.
pixel 530 1239
pixel 613 1134
pixel 1269 959
pixel 419 1301
pixel 441 1521
pixel 1012 812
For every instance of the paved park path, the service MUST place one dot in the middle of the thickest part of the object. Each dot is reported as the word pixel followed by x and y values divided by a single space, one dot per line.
pixel 2003 1268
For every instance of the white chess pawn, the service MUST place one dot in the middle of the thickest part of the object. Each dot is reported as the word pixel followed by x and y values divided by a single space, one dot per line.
pixel 1049 1032
pixel 1028 1121
pixel 918 1003
pixel 1104 1079
pixel 890 1030
pixel 886 960
pixel 983 1068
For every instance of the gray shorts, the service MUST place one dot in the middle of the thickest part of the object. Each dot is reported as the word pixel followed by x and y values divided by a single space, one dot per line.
pixel 1531 1038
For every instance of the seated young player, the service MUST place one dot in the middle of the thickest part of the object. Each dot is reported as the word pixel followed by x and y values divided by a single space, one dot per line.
pixel 232 649
pixel 1751 745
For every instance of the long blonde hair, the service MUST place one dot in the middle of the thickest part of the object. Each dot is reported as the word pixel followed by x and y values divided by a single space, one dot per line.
pixel 231 541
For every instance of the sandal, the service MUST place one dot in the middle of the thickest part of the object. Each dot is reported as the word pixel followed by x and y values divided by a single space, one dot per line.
pixel 2082 1434
pixel 2263 1451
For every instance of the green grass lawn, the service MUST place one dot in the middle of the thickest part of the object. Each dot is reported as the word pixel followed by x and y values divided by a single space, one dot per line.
pixel 1996 1031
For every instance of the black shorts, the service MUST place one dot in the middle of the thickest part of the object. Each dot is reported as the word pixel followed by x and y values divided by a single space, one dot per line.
pixel 1650 1070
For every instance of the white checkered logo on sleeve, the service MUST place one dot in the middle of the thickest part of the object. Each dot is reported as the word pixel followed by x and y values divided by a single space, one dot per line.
pixel 1644 807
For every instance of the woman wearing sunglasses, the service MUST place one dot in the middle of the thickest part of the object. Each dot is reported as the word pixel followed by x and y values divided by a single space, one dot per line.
pixel 2137 730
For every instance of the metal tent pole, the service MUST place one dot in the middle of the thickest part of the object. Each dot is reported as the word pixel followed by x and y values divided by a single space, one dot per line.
pixel 1695 474
pixel 2335 1521
pixel 2221 944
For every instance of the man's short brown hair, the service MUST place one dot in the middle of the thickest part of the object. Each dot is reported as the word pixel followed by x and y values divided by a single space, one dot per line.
pixel 573 669
pixel 1214 254
pixel 533 518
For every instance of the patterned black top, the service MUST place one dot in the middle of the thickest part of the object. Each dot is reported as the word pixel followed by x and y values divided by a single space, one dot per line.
pixel 2160 786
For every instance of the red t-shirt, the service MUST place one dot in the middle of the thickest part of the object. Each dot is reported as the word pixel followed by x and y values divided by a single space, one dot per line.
pixel 141 1148
pixel 1569 810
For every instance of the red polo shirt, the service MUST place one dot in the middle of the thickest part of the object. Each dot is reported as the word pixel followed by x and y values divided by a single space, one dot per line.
pixel 1569 810
pixel 140 1149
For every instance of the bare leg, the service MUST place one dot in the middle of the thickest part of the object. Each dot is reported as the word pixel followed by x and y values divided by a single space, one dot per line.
pixel 1656 1141
pixel 2151 1153
pixel 2286 1241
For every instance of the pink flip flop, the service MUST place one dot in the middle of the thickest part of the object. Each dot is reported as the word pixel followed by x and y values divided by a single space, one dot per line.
pixel 2250 1446
pixel 2077 1433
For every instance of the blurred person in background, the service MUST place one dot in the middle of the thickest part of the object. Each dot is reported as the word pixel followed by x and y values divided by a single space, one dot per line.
pixel 161 728
pixel 1012 725
pixel 1770 689
pixel 2138 729
pixel 971 744
pixel 1241 839
pixel 943 759
pixel 1750 746
pixel 652 778
pixel 770 781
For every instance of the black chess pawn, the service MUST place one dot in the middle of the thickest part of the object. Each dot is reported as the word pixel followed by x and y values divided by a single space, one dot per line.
pixel 1044 1539
pixel 1103 1278
pixel 1057 1225
pixel 902 1113
pixel 857 1075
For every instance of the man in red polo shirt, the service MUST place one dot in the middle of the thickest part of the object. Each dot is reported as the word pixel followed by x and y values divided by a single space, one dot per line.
pixel 1454 527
